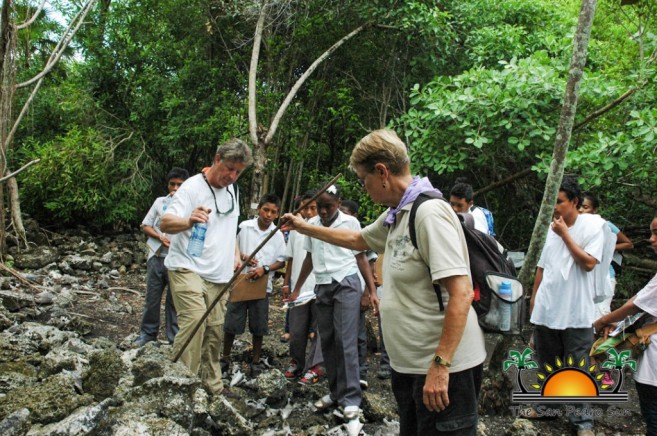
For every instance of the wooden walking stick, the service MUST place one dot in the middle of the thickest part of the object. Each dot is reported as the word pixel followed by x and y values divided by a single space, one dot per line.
pixel 231 282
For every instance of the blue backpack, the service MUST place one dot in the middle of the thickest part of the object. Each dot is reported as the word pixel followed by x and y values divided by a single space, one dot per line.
pixel 489 219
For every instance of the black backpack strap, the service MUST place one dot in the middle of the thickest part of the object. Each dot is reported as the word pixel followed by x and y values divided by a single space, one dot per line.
pixel 418 201
pixel 411 229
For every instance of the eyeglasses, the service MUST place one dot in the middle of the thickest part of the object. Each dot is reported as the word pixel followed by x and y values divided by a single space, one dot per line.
pixel 232 198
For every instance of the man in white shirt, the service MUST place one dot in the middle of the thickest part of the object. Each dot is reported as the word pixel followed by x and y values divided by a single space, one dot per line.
pixel 561 305
pixel 157 278
pixel 196 281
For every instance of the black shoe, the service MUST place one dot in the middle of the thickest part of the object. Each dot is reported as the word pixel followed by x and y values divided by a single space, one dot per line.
pixel 143 340
pixel 384 373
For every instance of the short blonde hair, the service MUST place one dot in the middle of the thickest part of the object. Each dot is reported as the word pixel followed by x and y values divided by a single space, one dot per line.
pixel 381 146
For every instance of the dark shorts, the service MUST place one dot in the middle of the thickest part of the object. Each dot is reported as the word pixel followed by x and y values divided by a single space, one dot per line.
pixel 459 418
pixel 258 314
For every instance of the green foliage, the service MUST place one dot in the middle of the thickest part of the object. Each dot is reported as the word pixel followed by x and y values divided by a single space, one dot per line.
pixel 509 113
pixel 80 180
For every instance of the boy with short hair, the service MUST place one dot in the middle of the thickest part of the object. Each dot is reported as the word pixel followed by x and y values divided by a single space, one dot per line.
pixel 156 273
pixel 270 258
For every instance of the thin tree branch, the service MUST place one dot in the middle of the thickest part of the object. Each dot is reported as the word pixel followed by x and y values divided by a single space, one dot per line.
pixel 304 76
pixel 21 169
pixel 504 181
pixel 34 17
pixel 59 49
pixel 253 71
pixel 62 44
pixel 595 114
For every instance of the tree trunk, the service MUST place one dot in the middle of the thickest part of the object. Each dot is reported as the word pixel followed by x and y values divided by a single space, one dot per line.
pixel 7 87
pixel 15 206
pixel 553 182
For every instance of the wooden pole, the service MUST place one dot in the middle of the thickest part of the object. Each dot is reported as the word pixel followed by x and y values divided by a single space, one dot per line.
pixel 233 279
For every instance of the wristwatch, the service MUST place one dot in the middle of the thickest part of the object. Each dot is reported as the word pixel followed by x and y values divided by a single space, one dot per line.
pixel 440 361
pixel 266 268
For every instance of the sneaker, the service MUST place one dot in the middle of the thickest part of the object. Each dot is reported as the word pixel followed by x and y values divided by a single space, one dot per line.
pixel 364 385
pixel 607 379
pixel 255 369
pixel 312 376
pixel 324 403
pixel 384 373
pixel 351 412
pixel 292 371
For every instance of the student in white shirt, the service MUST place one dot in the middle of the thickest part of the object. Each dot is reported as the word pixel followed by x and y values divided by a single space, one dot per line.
pixel 338 303
pixel 645 377
pixel 270 258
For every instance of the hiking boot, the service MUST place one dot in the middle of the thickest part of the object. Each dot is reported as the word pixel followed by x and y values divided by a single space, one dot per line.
pixel 293 371
pixel 384 373
pixel 312 376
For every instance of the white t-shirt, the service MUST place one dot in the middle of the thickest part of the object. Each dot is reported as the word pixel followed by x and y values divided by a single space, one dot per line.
pixel 152 219
pixel 216 263
pixel 564 298
pixel 297 253
pixel 331 262
pixel 646 300
pixel 481 223
pixel 250 236
pixel 410 315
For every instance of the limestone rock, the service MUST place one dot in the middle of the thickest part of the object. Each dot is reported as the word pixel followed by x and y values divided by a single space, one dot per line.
pixel 49 401
pixel 16 374
pixel 36 258
pixel 104 372
pixel 227 418
pixel 272 385
pixel 169 397
pixel 16 424
pixel 82 421
pixel 15 301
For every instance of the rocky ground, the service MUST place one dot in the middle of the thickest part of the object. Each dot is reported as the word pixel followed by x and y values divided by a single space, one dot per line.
pixel 71 308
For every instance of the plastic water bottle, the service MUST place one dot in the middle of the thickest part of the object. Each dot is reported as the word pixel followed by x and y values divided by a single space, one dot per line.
pixel 505 308
pixel 196 241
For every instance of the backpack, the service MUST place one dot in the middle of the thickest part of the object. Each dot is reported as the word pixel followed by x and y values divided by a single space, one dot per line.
pixel 489 267
pixel 489 220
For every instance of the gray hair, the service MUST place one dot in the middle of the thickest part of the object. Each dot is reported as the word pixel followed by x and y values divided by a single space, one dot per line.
pixel 235 150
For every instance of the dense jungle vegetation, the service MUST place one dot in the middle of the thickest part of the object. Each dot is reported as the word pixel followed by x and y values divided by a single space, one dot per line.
pixel 474 86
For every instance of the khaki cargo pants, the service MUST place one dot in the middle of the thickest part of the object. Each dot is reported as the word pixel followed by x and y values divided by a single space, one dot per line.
pixel 192 295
